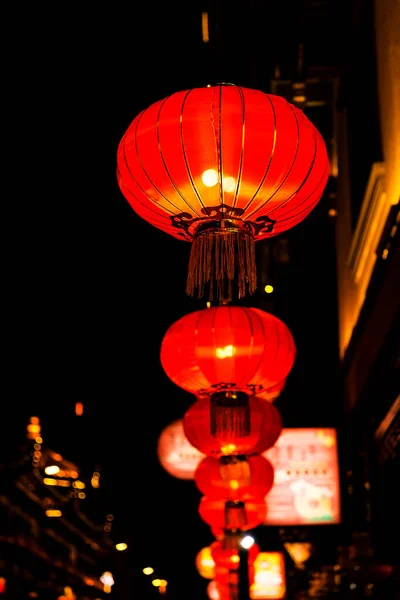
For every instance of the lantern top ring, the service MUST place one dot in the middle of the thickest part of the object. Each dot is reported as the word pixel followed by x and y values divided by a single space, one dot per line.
pixel 223 226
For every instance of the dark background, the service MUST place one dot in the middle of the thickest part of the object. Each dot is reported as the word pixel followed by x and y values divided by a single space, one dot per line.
pixel 90 288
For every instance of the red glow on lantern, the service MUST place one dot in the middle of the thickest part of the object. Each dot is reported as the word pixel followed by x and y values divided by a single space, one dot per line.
pixel 226 552
pixel 234 477
pixel 221 167
pixel 264 428
pixel 227 348
pixel 232 515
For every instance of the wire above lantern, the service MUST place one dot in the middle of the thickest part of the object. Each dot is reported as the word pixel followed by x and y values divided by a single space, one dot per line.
pixel 221 167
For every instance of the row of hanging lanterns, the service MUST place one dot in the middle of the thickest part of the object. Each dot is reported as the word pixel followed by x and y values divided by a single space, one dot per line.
pixel 224 356
pixel 222 167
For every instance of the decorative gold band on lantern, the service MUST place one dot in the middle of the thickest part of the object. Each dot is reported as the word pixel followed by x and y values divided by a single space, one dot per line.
pixel 229 415
pixel 222 255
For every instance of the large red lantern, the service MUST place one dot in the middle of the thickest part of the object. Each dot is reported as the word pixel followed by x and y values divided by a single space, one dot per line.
pixel 233 515
pixel 175 453
pixel 233 425
pixel 227 348
pixel 234 477
pixel 222 166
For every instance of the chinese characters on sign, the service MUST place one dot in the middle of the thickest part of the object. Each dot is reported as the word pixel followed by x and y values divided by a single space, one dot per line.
pixel 306 485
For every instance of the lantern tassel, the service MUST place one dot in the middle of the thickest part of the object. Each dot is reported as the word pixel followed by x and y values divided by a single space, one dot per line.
pixel 229 415
pixel 220 258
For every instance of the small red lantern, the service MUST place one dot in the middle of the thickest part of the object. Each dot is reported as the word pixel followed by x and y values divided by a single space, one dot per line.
pixel 175 453
pixel 222 166
pixel 227 348
pixel 225 553
pixel 233 515
pixel 234 477
pixel 235 424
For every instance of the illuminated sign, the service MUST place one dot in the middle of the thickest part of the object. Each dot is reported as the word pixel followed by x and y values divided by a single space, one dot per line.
pixel 176 454
pixel 269 576
pixel 306 487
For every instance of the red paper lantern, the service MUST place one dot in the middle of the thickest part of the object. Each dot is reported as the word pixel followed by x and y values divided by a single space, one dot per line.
pixel 233 515
pixel 225 553
pixel 231 429
pixel 175 453
pixel 227 348
pixel 221 167
pixel 234 477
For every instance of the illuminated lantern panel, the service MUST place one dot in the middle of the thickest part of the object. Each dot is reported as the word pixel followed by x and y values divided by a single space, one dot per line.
pixel 234 477
pixel 212 591
pixel 227 349
pixel 205 563
pixel 176 454
pixel 306 484
pixel 226 552
pixel 273 392
pixel 230 429
pixel 269 576
pixel 221 167
pixel 232 515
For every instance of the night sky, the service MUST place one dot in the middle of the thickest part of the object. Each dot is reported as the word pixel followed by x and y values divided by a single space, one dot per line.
pixel 91 288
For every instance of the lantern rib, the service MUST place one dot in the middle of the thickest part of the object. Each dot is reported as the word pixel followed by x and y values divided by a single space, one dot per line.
pixel 288 172
pixel 195 343
pixel 240 171
pixel 234 343
pixel 304 180
pixel 148 208
pixel 218 143
pixel 145 171
pixel 250 345
pixel 178 191
pixel 213 330
pixel 269 161
pixel 279 343
pixel 185 159
pixel 262 354
pixel 294 215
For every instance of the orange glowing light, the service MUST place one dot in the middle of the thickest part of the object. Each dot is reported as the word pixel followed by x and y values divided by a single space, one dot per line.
pixel 49 481
pixel 300 552
pixel 121 546
pixel 269 576
pixel 205 563
pixel 306 484
pixel 156 582
pixel 53 513
pixel 79 409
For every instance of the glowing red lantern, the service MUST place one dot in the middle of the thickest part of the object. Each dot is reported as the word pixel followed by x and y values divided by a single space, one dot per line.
pixel 222 166
pixel 175 453
pixel 225 552
pixel 227 348
pixel 234 477
pixel 231 515
pixel 273 392
pixel 233 425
